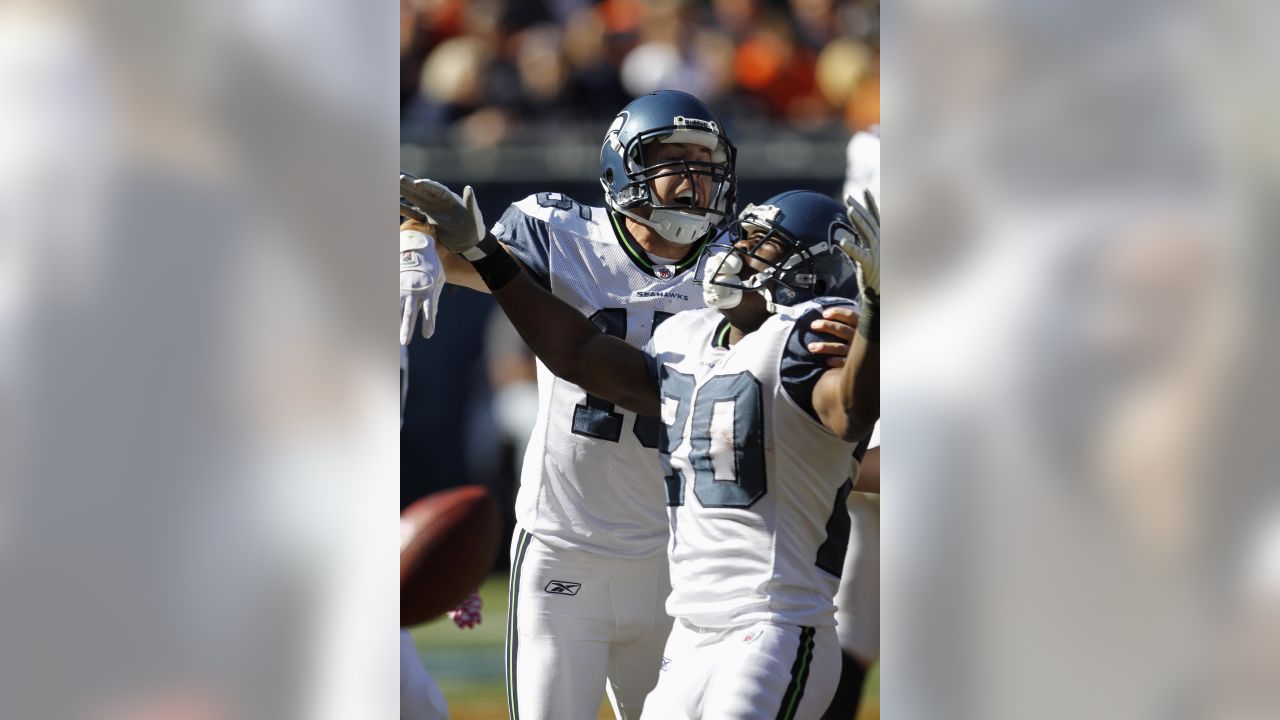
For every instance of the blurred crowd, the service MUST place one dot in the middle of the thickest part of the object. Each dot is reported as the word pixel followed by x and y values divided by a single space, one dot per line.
pixel 480 72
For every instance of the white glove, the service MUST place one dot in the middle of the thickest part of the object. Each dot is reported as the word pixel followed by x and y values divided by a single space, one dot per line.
pixel 459 225
pixel 865 250
pixel 421 280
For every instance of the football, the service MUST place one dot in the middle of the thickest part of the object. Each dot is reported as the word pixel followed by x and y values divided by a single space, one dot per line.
pixel 448 541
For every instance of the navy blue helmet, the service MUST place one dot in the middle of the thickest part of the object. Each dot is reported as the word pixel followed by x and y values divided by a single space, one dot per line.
pixel 809 226
pixel 626 174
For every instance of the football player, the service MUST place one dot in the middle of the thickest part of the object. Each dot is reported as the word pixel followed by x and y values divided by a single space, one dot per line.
pixel 758 434
pixel 589 573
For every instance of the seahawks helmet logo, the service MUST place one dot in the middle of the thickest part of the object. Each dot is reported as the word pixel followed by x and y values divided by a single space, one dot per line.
pixel 615 129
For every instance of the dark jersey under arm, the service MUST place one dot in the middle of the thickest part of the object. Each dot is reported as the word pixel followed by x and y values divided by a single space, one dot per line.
pixel 529 240
pixel 800 369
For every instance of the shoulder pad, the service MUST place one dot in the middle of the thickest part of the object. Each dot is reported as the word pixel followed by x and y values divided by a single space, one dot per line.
pixel 831 301
pixel 788 314
pixel 527 236
pixel 799 369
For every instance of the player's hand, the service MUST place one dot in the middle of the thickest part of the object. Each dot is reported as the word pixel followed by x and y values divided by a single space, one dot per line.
pixel 421 280
pixel 865 249
pixel 459 224
pixel 467 615
pixel 841 324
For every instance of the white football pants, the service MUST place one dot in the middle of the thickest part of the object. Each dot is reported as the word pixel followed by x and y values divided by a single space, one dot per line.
pixel 580 626
pixel 754 672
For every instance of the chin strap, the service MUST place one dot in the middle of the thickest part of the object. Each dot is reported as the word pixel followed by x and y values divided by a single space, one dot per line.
pixel 757 283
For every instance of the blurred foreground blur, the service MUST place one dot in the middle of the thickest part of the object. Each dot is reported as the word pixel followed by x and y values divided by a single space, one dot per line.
pixel 197 458
pixel 1080 519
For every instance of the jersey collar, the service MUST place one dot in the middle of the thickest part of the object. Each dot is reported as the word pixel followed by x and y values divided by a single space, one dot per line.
pixel 720 337
pixel 641 259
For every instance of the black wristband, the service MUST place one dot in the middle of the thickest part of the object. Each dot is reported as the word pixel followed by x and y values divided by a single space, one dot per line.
pixel 869 320
pixel 496 268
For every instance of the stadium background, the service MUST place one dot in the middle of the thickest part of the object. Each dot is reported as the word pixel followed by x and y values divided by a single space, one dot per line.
pixel 513 97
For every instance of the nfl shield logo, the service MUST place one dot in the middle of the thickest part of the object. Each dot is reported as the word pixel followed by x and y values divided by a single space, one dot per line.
pixel 663 272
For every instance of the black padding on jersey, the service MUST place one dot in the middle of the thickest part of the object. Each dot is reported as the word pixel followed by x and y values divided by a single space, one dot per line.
pixel 595 418
pixel 860 450
pixel 800 369
pixel 831 552
pixel 529 239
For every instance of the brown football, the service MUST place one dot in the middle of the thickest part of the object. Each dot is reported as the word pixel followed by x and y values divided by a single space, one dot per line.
pixel 448 541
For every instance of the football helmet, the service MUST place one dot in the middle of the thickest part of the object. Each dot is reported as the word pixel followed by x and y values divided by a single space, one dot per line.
pixel 810 227
pixel 668 116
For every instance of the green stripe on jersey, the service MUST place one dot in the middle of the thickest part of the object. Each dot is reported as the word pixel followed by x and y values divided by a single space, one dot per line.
pixel 637 253
pixel 641 258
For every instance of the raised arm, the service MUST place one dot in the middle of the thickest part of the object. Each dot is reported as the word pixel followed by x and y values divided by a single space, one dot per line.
pixel 570 346
pixel 847 400
pixel 574 349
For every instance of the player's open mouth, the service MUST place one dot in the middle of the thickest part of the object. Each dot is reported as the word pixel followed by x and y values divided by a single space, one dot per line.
pixel 685 198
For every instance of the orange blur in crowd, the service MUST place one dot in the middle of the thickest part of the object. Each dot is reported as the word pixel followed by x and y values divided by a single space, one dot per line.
pixel 494 65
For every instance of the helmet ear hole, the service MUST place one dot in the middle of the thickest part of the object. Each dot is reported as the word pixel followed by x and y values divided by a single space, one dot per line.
pixel 608 176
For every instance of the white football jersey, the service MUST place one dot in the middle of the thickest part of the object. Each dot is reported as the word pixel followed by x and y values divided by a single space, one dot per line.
pixel 592 475
pixel 757 485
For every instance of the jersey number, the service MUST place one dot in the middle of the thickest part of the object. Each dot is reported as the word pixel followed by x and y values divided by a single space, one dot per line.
pixel 596 417
pixel 727 435
pixel 560 202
